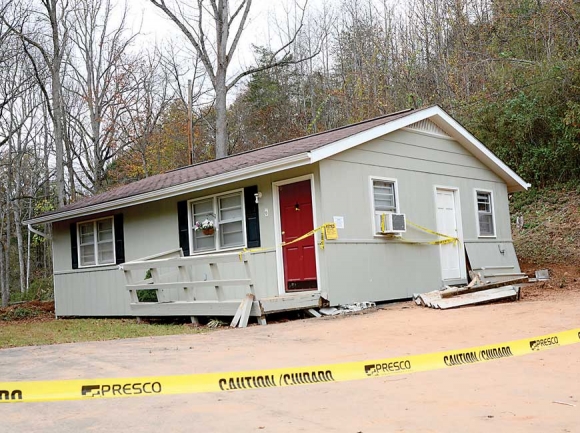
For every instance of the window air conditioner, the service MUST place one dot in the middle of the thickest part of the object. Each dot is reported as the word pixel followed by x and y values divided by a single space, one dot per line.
pixel 389 223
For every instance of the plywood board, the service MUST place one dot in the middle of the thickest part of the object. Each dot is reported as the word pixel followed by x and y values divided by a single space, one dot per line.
pixel 478 298
pixel 451 292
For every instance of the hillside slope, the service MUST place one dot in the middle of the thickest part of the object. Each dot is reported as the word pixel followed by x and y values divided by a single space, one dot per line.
pixel 551 230
pixel 549 239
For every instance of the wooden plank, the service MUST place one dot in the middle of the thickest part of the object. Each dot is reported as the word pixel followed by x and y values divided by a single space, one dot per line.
pixel 132 293
pixel 215 276
pixel 246 307
pixel 483 268
pixel 161 295
pixel 429 298
pixel 313 313
pixel 177 252
pixel 262 320
pixel 464 290
pixel 478 297
pixel 206 259
pixel 197 308
pixel 504 275
pixel 249 274
pixel 238 314
pixel 297 301
pixel 190 284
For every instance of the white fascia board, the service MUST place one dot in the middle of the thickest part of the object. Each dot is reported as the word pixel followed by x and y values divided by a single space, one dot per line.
pixel 370 134
pixel 221 179
pixel 445 122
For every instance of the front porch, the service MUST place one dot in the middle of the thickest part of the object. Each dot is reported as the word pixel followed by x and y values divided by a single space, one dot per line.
pixel 194 286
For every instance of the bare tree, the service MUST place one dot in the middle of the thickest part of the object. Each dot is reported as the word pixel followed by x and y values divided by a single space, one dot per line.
pixel 228 20
pixel 103 84
pixel 52 49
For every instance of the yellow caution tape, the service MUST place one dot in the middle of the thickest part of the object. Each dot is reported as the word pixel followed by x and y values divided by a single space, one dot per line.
pixel 441 235
pixel 446 239
pixel 91 389
pixel 283 244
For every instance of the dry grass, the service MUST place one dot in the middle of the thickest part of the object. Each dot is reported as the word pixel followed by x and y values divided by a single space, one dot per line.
pixel 551 231
pixel 33 324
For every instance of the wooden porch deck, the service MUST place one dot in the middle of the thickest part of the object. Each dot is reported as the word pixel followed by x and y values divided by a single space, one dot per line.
pixel 260 307
pixel 177 294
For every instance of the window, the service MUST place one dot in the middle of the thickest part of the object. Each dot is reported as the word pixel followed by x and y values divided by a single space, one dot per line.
pixel 384 196
pixel 96 242
pixel 385 199
pixel 485 213
pixel 226 212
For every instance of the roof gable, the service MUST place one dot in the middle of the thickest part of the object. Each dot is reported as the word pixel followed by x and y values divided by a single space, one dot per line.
pixel 428 127
pixel 281 156
pixel 443 122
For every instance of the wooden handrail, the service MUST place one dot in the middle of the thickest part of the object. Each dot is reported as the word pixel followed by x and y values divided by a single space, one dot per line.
pixel 190 284
pixel 185 261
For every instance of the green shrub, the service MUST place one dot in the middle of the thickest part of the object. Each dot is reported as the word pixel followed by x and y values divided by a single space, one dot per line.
pixel 147 295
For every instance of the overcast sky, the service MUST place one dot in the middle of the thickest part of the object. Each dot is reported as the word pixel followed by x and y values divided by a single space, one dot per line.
pixel 260 27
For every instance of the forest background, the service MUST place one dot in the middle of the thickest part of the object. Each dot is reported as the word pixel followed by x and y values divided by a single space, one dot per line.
pixel 86 104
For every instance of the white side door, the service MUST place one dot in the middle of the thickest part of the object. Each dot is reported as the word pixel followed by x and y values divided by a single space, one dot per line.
pixel 447 224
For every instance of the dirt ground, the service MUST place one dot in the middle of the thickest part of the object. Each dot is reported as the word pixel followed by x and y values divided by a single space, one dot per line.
pixel 509 395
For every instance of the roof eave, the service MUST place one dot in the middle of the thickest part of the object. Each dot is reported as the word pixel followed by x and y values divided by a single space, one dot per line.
pixel 510 177
pixel 445 122
pixel 200 184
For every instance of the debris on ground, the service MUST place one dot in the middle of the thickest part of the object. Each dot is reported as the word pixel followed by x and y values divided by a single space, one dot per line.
pixel 28 311
pixel 347 308
pixel 542 275
pixel 476 292
pixel 434 299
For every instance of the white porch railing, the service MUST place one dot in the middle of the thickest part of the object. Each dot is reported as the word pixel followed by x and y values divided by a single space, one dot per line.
pixel 205 285
pixel 178 289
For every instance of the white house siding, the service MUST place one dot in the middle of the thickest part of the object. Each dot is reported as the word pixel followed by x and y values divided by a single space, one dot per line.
pixel 363 267
pixel 99 292
pixel 150 229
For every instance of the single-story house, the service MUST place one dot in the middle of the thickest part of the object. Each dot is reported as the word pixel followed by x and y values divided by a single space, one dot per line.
pixel 387 184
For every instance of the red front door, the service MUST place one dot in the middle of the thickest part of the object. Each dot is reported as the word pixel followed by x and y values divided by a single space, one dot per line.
pixel 296 220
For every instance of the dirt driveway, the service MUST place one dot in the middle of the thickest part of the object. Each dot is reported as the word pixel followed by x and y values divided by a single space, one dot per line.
pixel 510 395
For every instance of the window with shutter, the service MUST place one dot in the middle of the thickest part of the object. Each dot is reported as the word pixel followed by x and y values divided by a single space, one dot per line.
pixel 225 214
pixel 96 242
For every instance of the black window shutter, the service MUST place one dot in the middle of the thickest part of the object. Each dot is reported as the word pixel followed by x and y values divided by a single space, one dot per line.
pixel 252 217
pixel 119 239
pixel 183 226
pixel 74 249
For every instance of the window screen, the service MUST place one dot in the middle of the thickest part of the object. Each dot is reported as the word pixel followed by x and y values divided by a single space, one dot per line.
pixel 384 196
pixel 485 214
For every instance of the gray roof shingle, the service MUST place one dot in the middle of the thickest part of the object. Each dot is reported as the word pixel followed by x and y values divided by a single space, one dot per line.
pixel 228 164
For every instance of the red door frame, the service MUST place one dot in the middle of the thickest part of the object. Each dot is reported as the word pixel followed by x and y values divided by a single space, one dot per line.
pixel 296 213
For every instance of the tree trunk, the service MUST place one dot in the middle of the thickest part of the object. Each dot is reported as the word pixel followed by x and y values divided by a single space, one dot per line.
pixel 221 136
pixel 6 292
pixel 3 287
pixel 57 103
pixel 16 203
pixel 20 241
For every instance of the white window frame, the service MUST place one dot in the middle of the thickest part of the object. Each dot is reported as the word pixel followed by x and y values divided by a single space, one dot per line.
pixel 492 203
pixel 214 198
pixel 372 200
pixel 95 242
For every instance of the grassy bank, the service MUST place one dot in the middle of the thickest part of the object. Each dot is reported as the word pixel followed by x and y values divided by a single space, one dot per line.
pixel 33 324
